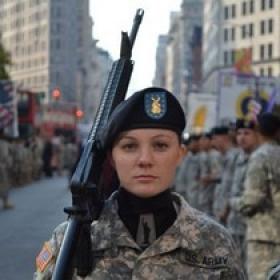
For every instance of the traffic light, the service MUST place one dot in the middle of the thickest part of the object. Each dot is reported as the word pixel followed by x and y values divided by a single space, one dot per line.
pixel 56 94
pixel 79 113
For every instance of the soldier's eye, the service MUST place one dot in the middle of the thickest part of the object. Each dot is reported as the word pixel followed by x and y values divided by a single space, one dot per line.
pixel 160 146
pixel 129 146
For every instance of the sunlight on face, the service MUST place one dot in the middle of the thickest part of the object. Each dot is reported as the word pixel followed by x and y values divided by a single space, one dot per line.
pixel 146 160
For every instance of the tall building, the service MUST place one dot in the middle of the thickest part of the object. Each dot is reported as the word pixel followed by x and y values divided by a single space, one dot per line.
pixel 173 55
pixel 47 40
pixel 212 47
pixel 160 75
pixel 253 25
pixel 234 26
pixel 181 51
pixel 192 17
pixel 100 66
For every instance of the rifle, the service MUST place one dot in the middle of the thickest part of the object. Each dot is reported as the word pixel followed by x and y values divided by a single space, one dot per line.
pixel 88 187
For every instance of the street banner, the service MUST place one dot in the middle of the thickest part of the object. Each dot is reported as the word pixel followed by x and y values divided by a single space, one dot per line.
pixel 237 93
pixel 201 112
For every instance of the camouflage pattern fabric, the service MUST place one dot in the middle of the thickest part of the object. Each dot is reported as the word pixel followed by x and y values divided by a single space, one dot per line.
pixel 188 178
pixel 210 166
pixel 236 223
pixel 260 202
pixel 222 190
pixel 5 165
pixel 195 247
pixel 261 257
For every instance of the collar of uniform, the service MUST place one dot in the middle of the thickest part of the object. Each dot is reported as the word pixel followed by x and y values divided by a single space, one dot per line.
pixel 184 233
pixel 110 231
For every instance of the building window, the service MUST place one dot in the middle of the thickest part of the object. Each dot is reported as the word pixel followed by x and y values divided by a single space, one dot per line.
pixel 225 58
pixel 232 56
pixel 252 6
pixel 270 50
pixel 233 11
pixel 225 35
pixel 226 12
pixel 270 71
pixel 57 44
pixel 262 27
pixel 243 31
pixel 262 51
pixel 232 33
pixel 270 26
pixel 244 8
pixel 271 4
pixel 261 72
pixel 251 30
pixel 263 5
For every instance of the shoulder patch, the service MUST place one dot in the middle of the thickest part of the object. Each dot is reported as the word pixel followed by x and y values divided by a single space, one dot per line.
pixel 44 257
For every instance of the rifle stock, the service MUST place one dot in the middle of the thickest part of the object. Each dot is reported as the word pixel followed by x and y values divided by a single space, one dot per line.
pixel 87 183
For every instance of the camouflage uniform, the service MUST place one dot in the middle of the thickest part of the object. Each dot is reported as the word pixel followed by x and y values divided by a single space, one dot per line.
pixel 222 190
pixel 182 176
pixel 210 166
pixel 260 203
pixel 5 165
pixel 190 179
pixel 236 223
pixel 193 248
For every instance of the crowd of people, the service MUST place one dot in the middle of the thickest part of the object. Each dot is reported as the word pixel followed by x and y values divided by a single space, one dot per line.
pixel 25 160
pixel 233 174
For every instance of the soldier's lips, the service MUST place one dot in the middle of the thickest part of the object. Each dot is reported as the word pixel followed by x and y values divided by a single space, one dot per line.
pixel 145 178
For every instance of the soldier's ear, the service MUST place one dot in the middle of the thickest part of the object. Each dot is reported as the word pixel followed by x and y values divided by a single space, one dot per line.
pixel 181 154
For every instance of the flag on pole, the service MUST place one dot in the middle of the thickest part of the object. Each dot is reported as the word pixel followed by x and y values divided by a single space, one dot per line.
pixel 6 103
pixel 272 99
pixel 254 109
pixel 243 61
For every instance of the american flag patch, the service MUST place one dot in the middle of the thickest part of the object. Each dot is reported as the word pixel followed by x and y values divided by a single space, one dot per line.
pixel 44 257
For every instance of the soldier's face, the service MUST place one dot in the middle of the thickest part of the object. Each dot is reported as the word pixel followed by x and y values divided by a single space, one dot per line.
pixel 146 160
pixel 246 139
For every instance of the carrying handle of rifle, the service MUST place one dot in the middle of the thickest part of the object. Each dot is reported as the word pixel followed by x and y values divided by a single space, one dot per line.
pixel 137 21
pixel 127 42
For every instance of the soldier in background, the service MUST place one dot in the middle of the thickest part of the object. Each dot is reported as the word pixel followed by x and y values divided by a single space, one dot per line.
pixel 246 138
pixel 224 144
pixel 180 187
pixel 205 195
pixel 5 165
pixel 188 173
pixel 70 155
pixel 47 157
pixel 260 202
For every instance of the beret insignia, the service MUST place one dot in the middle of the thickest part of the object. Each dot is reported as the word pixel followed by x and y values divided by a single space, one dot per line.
pixel 155 104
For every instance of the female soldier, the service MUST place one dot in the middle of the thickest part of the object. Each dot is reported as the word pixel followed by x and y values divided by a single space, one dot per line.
pixel 145 231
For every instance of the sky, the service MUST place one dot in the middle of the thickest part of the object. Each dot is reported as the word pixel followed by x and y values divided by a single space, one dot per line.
pixel 113 16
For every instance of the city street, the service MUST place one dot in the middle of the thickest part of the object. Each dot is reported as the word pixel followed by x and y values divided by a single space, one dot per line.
pixel 38 209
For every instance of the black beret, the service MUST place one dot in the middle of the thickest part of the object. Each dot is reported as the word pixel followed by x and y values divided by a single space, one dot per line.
pixel 220 130
pixel 243 123
pixel 149 108
pixel 196 137
pixel 207 135
pixel 269 124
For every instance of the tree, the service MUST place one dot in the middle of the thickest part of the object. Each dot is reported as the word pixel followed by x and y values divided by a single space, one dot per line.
pixel 5 60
